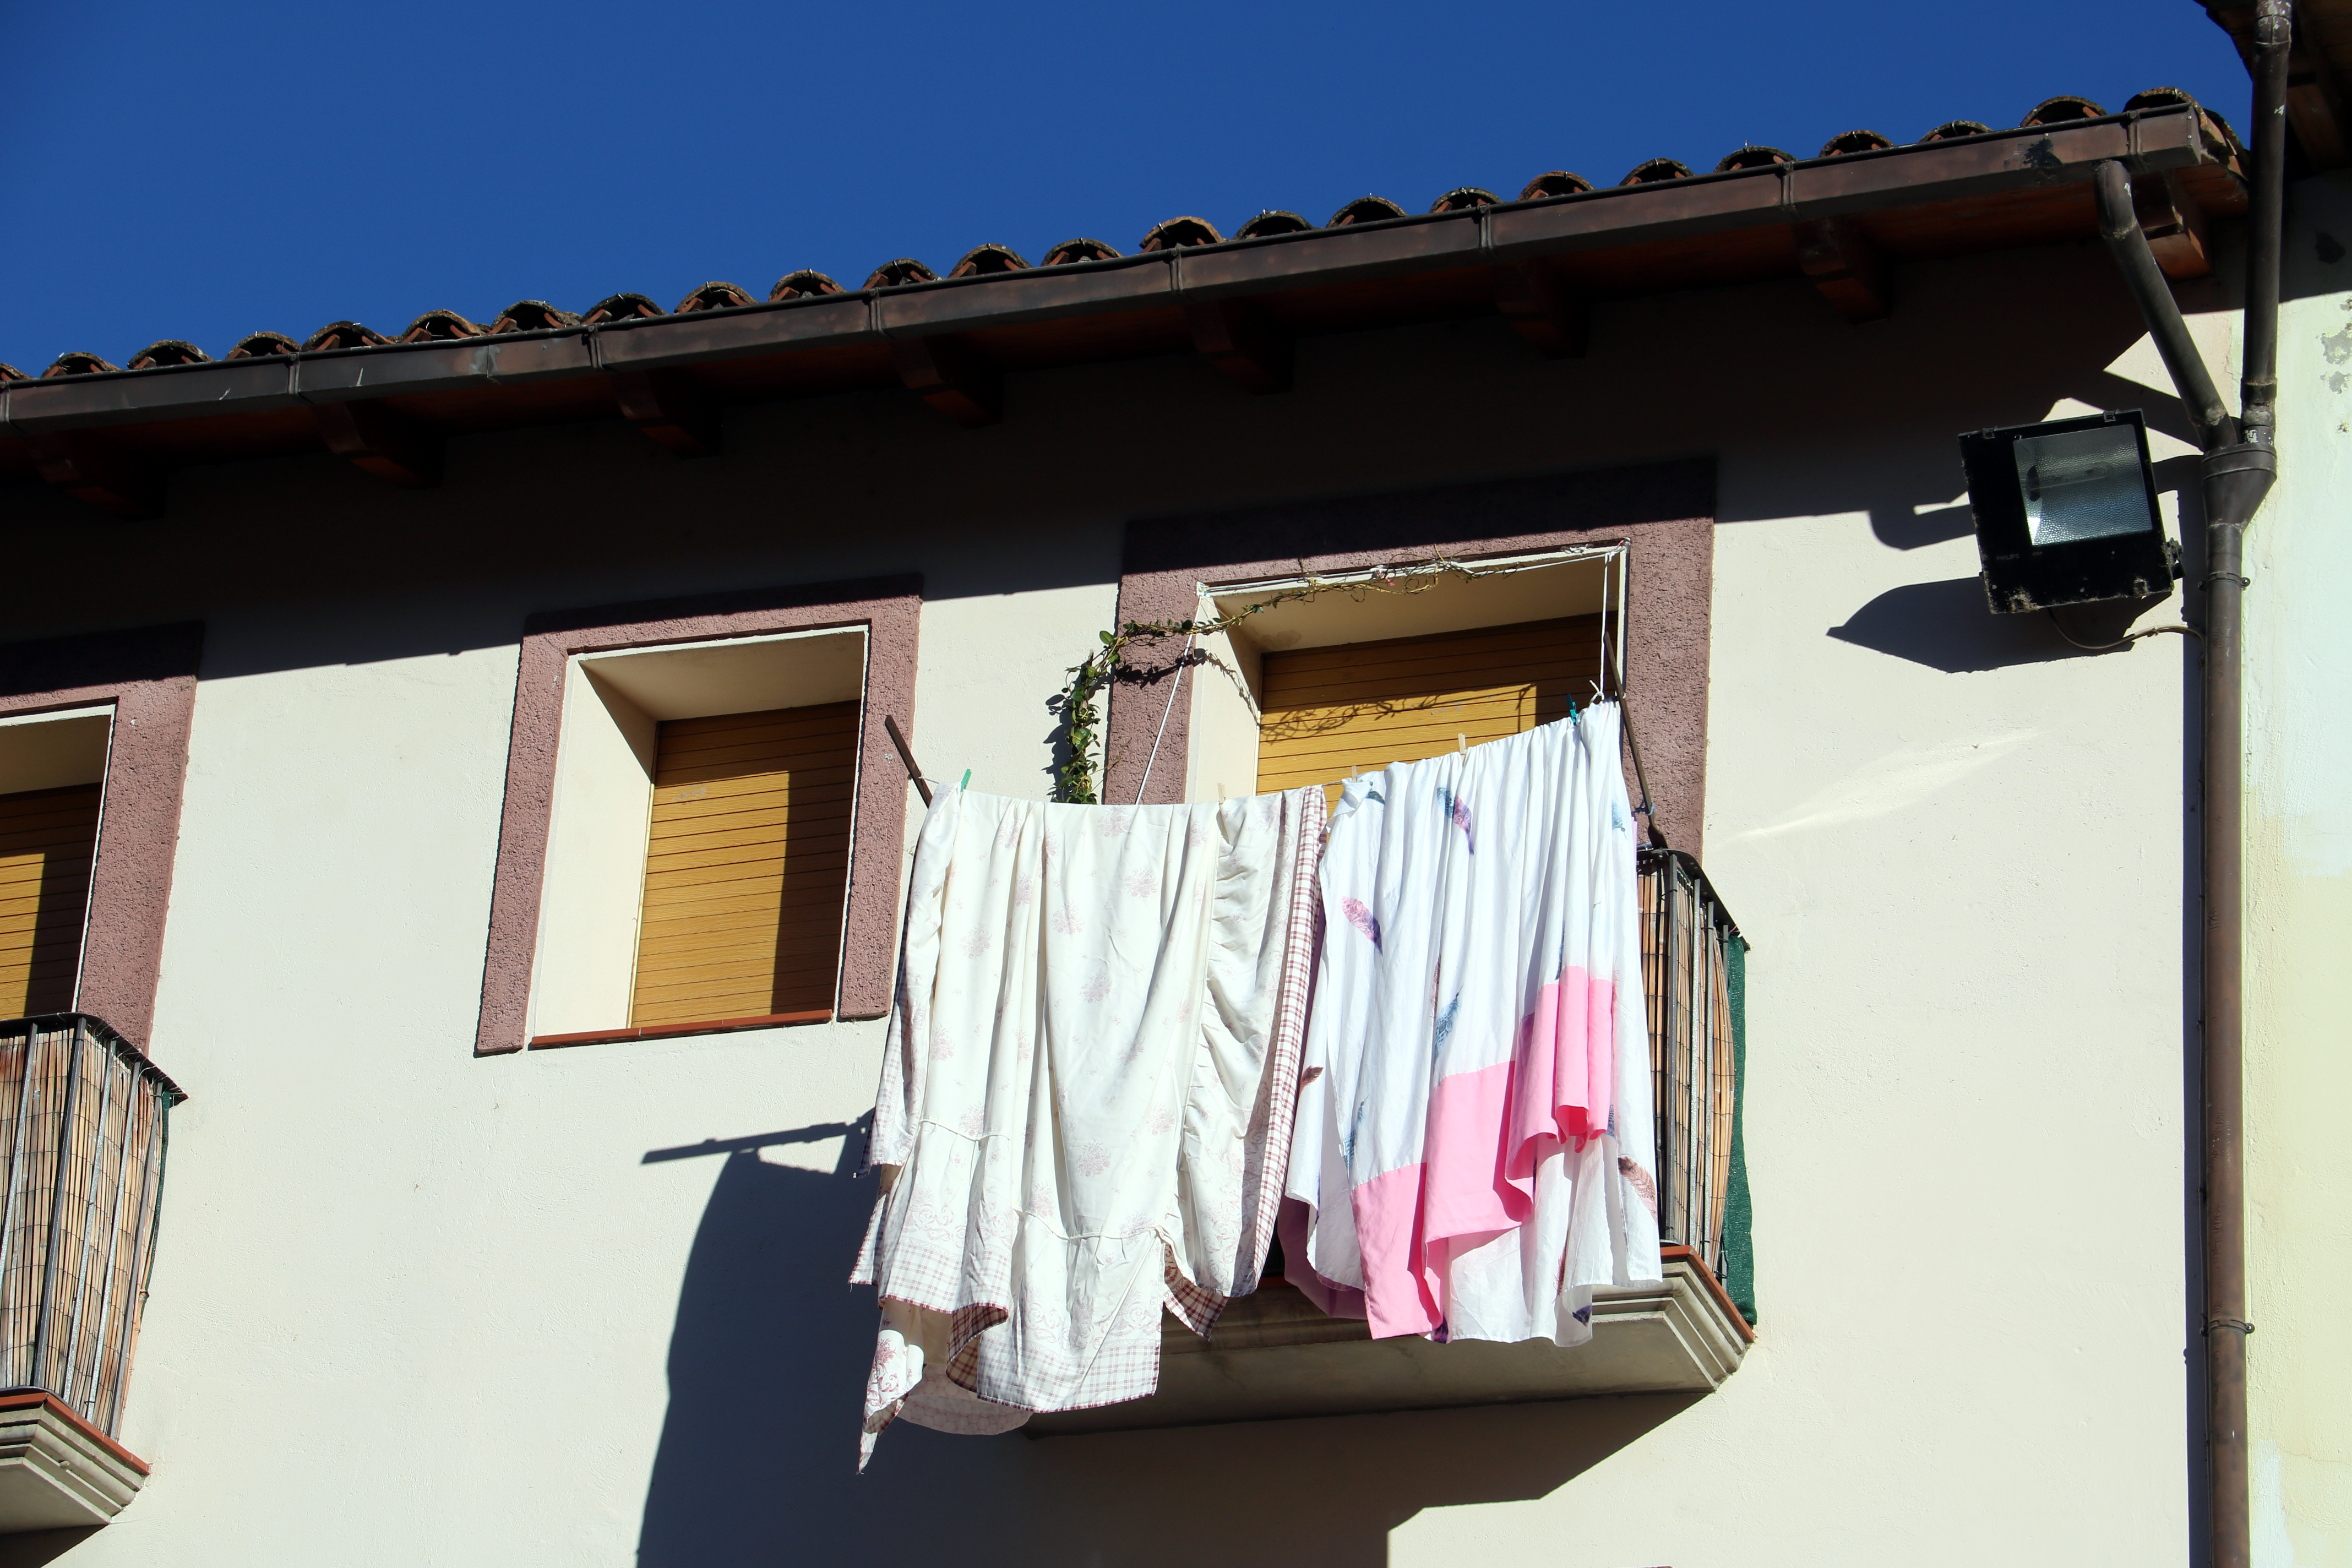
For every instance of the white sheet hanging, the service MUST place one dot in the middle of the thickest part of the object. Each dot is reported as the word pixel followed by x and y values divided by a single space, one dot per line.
pixel 1090 1067
pixel 1475 1144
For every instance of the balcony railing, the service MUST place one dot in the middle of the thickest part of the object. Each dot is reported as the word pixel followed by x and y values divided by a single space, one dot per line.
pixel 83 1122
pixel 1688 942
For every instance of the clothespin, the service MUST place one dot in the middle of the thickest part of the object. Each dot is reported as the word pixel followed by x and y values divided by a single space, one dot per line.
pixel 1461 743
pixel 967 780
pixel 1220 793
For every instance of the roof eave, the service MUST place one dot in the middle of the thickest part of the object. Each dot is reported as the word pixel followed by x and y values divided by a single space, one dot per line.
pixel 35 417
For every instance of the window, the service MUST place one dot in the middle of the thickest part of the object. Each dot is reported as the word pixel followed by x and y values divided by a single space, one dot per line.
pixel 1658 516
pixel 1300 694
pixel 703 815
pixel 52 777
pixel 106 718
pixel 698 854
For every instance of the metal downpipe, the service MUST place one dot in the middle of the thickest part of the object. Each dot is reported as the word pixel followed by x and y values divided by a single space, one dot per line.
pixel 2240 465
pixel 2236 478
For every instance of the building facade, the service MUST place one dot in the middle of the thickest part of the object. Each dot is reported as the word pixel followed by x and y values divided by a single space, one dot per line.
pixel 478 1246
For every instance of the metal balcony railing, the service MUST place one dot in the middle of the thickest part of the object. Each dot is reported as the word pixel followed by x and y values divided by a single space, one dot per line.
pixel 1687 937
pixel 82 1134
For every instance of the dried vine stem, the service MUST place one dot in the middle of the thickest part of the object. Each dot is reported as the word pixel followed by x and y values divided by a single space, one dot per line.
pixel 1076 781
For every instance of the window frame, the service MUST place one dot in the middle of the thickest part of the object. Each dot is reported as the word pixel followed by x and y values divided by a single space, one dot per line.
pixel 149 676
pixel 889 609
pixel 1663 512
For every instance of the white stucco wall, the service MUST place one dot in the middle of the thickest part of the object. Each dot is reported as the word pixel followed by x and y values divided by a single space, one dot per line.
pixel 2299 914
pixel 416 1308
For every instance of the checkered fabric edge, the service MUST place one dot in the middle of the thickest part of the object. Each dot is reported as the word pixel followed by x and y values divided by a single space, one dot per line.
pixel 1196 1306
pixel 1305 936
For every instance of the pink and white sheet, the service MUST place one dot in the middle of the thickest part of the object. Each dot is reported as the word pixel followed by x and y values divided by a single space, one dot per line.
pixel 1473 1146
pixel 1086 1088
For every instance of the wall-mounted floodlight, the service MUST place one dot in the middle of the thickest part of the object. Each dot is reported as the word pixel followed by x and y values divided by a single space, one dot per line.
pixel 2065 513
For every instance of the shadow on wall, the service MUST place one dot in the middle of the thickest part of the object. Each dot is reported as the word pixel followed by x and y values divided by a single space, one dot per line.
pixel 767 1364
pixel 1946 626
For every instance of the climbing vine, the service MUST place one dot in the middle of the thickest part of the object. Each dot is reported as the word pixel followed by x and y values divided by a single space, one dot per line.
pixel 1078 781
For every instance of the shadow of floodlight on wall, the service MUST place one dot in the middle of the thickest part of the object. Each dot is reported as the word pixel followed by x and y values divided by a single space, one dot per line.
pixel 767 1362
pixel 1944 627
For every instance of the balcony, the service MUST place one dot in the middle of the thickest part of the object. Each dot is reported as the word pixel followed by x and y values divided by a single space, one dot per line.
pixel 1273 1354
pixel 83 1122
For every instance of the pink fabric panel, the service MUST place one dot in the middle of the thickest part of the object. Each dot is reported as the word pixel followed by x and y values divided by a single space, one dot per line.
pixel 1568 1086
pixel 1464 1191
pixel 1601 1059
pixel 1388 1230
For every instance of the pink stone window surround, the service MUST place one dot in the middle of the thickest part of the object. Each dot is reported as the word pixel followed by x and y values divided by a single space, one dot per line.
pixel 149 676
pixel 888 608
pixel 1664 513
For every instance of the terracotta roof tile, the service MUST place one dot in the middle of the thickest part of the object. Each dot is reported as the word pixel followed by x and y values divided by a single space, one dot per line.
pixel 343 335
pixel 439 326
pixel 1462 198
pixel 1953 128
pixel 81 362
pixel 530 316
pixel 1753 158
pixel 2060 110
pixel 1271 222
pixel 1365 209
pixel 905 270
pixel 10 373
pixel 1080 250
pixel 806 284
pixel 983 259
pixel 713 297
pixel 1651 171
pixel 168 351
pixel 1846 141
pixel 260 345
pixel 1180 231
pixel 620 308
pixel 1557 182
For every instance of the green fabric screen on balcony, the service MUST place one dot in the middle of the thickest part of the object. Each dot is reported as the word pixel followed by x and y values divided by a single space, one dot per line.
pixel 1739 1209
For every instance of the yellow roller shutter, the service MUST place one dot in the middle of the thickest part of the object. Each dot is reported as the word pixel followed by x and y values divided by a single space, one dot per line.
pixel 1332 711
pixel 47 839
pixel 746 866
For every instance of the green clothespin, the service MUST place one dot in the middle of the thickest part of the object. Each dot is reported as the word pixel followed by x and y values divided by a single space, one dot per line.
pixel 967 780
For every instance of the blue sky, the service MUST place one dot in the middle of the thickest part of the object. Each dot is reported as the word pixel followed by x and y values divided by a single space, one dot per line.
pixel 202 171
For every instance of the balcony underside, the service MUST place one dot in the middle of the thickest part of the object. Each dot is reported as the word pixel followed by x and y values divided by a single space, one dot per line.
pixel 1275 1355
pixel 58 1471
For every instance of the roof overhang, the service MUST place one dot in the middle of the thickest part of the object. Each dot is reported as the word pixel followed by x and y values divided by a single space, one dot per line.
pixel 2319 68
pixel 109 438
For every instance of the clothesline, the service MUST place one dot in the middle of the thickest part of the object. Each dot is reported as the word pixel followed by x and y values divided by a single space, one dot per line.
pixel 1633 743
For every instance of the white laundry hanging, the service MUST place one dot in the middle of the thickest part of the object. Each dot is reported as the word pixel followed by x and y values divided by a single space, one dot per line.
pixel 1474 1149
pixel 1087 1086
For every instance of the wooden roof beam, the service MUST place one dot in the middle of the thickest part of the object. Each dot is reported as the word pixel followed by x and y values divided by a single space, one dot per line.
pixel 2174 224
pixel 1238 339
pixel 1552 317
pixel 1845 267
pixel 101 473
pixel 952 379
pixel 673 415
pixel 391 447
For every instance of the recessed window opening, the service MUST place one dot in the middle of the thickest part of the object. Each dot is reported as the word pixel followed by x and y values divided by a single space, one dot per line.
pixel 1396 663
pixel 698 849
pixel 52 792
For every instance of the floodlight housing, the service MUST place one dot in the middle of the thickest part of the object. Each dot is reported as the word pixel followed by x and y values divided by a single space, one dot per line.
pixel 2065 513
